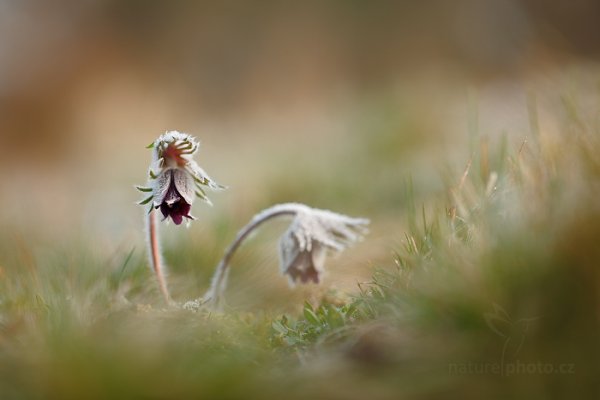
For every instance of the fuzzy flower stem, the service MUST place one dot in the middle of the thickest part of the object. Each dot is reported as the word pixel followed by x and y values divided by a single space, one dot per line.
pixel 155 258
pixel 220 276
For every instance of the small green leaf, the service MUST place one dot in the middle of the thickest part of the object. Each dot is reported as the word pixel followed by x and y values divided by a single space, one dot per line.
pixel 202 181
pixel 143 189
pixel 308 305
pixel 279 327
pixel 311 317
pixel 350 310
pixel 334 318
pixel 146 201
pixel 201 193
pixel 150 146
pixel 218 186
pixel 152 174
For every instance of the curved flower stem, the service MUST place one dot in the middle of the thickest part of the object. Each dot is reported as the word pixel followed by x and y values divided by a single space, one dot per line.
pixel 155 258
pixel 219 279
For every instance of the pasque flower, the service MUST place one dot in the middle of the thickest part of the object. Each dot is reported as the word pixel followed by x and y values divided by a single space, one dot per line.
pixel 174 181
pixel 302 248
pixel 314 232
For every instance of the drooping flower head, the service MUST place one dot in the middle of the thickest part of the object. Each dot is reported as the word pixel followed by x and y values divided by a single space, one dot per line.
pixel 313 232
pixel 174 178
pixel 302 248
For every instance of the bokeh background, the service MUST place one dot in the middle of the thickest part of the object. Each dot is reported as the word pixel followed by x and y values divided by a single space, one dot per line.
pixel 466 130
pixel 339 104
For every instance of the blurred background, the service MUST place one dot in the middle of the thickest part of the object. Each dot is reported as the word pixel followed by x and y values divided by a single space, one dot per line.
pixel 338 104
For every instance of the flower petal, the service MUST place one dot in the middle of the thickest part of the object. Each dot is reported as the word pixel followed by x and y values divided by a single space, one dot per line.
pixel 161 186
pixel 318 254
pixel 288 250
pixel 184 183
pixel 300 263
pixel 303 267
pixel 164 209
pixel 145 201
pixel 177 218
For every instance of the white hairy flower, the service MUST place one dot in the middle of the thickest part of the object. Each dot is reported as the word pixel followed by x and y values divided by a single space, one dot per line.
pixel 302 247
pixel 174 178
pixel 312 233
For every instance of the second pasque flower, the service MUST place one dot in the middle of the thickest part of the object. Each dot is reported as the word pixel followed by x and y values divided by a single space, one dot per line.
pixel 174 178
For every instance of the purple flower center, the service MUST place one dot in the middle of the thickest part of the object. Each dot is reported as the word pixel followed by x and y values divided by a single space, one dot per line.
pixel 173 205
